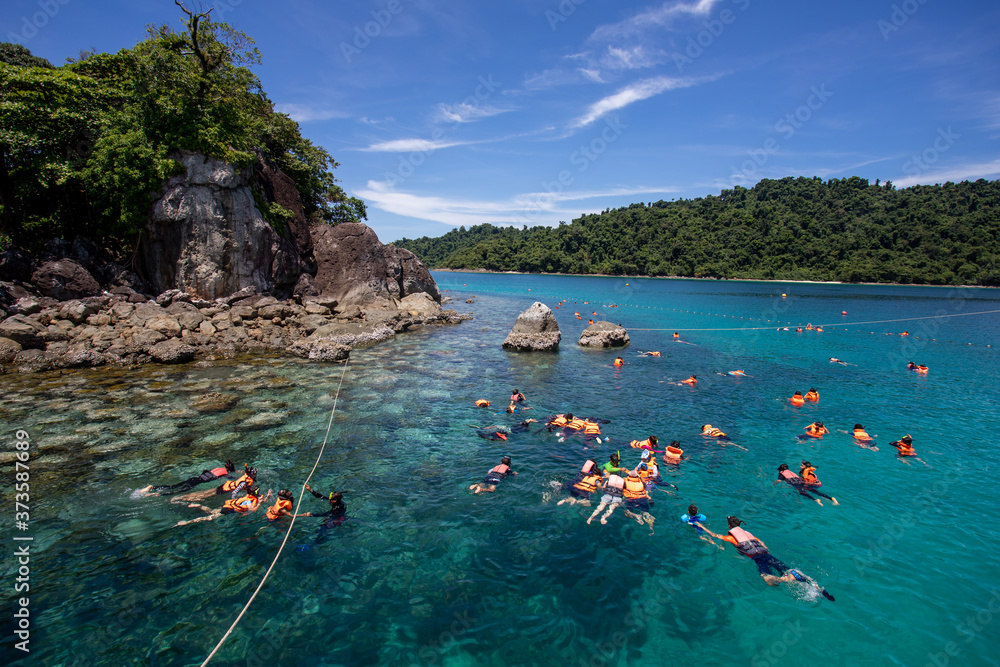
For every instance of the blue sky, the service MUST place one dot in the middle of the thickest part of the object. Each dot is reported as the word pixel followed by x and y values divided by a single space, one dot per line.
pixel 531 112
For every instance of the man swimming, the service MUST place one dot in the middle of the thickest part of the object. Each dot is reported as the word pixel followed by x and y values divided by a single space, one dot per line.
pixel 188 484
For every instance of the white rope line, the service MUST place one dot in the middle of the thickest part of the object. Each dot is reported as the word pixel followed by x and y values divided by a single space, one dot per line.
pixel 288 532
pixel 836 324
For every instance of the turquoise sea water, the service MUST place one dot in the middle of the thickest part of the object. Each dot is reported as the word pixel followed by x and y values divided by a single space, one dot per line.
pixel 425 573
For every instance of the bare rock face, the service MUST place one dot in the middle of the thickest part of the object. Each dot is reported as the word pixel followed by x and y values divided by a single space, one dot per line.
pixel 279 188
pixel 206 237
pixel 536 329
pixel 171 351
pixel 64 279
pixel 353 267
pixel 604 334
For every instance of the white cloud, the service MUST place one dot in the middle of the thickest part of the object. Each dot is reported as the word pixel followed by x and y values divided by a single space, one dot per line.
pixel 410 145
pixel 662 16
pixel 301 113
pixel 464 113
pixel 591 74
pixel 965 172
pixel 635 92
pixel 635 57
pixel 532 208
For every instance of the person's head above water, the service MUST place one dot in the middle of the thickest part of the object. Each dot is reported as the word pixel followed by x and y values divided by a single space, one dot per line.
pixel 253 490
pixel 811 391
pixel 230 466
pixel 250 472
pixel 645 455
pixel 615 458
pixel 859 427
pixel 734 522
pixel 806 464
pixel 285 493
pixel 505 461
pixel 336 498
pixel 906 439
pixel 783 466
pixel 653 440
pixel 568 416
pixel 692 510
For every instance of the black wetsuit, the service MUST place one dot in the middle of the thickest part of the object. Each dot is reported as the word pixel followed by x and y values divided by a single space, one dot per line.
pixel 333 517
pixel 491 432
pixel 188 484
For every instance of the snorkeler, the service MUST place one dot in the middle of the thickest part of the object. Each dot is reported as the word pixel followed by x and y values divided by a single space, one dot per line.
pixel 835 360
pixel 800 485
pixel 614 490
pixel 692 381
pixel 712 432
pixel 812 395
pixel 587 481
pixel 333 517
pixel 797 399
pixel 619 362
pixel 816 430
pixel 496 475
pixel 905 446
pixel 230 486
pixel 649 443
pixel 757 551
pixel 282 506
pixel 693 519
pixel 188 484
pixel 251 502
pixel 862 439
pixel 517 397
pixel 491 432
pixel 613 466
pixel 637 500
pixel 654 353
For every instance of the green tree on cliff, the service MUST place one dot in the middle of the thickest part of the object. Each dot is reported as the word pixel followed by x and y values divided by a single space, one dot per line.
pixel 85 148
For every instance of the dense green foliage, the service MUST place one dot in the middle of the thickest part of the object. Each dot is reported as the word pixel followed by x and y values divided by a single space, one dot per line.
pixel 85 148
pixel 788 229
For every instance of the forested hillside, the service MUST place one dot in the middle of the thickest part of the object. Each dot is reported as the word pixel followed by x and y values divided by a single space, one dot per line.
pixel 788 229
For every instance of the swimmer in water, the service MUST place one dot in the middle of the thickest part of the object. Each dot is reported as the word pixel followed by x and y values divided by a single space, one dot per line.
pixel 251 502
pixel 800 485
pixel 835 360
pixel 767 565
pixel 862 438
pixel 496 475
pixel 188 484
pixel 693 519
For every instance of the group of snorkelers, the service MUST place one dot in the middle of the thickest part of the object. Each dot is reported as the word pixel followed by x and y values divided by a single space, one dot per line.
pixel 245 497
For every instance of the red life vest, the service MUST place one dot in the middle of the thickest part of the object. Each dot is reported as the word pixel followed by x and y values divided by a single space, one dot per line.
pixel 219 472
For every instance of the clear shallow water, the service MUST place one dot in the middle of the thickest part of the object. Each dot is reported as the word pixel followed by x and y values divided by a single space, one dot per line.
pixel 425 573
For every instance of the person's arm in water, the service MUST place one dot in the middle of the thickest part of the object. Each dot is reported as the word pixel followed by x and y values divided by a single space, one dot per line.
pixel 317 494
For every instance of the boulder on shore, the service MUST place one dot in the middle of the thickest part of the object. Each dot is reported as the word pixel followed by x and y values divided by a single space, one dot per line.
pixel 535 330
pixel 604 334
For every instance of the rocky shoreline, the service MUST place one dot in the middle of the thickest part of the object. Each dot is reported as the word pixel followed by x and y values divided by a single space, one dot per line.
pixel 124 328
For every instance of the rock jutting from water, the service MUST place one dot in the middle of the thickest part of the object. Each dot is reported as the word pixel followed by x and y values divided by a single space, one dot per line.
pixel 604 334
pixel 535 330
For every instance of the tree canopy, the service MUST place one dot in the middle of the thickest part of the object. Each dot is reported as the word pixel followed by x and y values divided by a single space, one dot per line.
pixel 85 147
pixel 788 229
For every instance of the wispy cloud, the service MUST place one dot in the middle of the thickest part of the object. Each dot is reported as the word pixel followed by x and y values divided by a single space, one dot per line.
pixel 465 113
pixel 540 208
pixel 662 16
pixel 964 172
pixel 635 92
pixel 410 145
pixel 302 113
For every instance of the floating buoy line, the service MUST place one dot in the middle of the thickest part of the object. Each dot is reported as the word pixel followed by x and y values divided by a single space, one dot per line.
pixel 776 324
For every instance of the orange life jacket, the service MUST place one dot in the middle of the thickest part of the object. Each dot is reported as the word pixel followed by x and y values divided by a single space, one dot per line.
pixel 797 400
pixel 809 474
pixel 812 396
pixel 230 484
pixel 219 472
pixel 242 505
pixel 577 424
pixel 674 453
pixel 588 484
pixel 677 335
pixel 591 428
pixel 634 488
pixel 817 431
pixel 619 362
pixel 559 420
pixel 906 450
pixel 644 444
pixel 691 381
pixel 860 434
pixel 649 472
pixel 714 432
pixel 482 403
pixel 275 512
